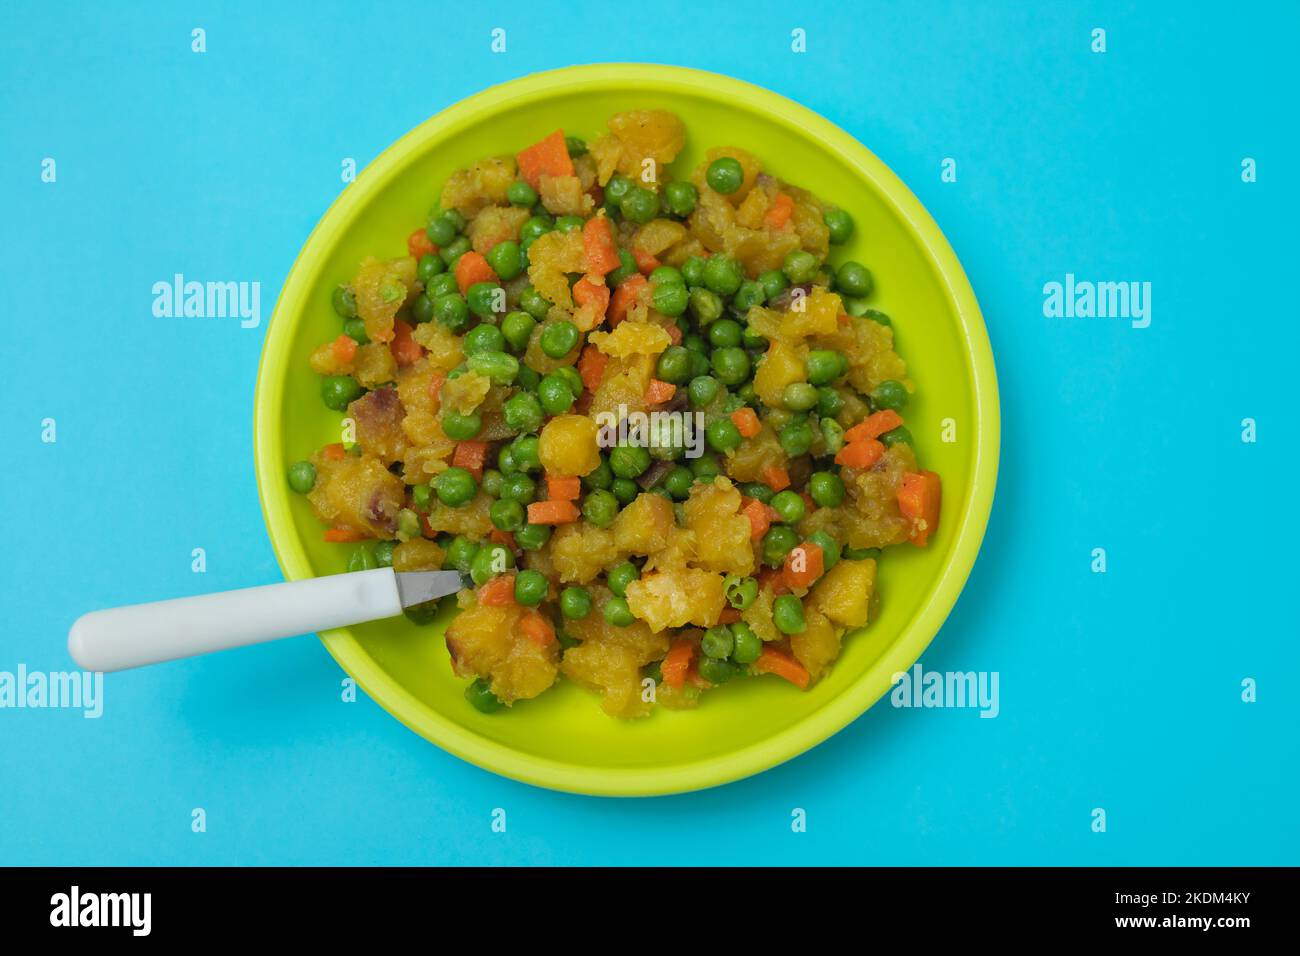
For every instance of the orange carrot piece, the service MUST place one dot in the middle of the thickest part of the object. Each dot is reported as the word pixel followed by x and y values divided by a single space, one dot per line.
pixel 874 425
pixel 919 498
pixel 623 298
pixel 772 661
pixel 779 213
pixel 759 517
pixel 497 536
pixel 585 292
pixel 537 628
pixel 335 452
pixel 473 267
pixel 345 349
pixel 645 263
pixel 470 455
pixel 591 367
pixel 676 663
pixel 498 592
pixel 419 244
pixel 563 488
pixel 776 477
pixel 406 351
pixel 552 512
pixel 746 422
pixel 340 535
pixel 729 615
pixel 860 454
pixel 549 157
pixel 674 333
pixel 659 392
pixel 803 565
pixel 598 243
pixel 435 390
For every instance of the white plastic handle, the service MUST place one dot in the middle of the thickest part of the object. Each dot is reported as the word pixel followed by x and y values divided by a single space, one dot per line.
pixel 140 634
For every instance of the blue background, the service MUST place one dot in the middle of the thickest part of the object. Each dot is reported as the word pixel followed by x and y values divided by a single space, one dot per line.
pixel 1118 690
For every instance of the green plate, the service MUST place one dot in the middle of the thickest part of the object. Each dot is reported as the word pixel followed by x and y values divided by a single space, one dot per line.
pixel 562 740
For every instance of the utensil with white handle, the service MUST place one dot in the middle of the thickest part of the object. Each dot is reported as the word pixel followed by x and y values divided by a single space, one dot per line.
pixel 119 638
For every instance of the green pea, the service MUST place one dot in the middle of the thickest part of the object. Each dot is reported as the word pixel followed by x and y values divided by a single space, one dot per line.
pixel 457 248
pixel 483 338
pixel 533 536
pixel 441 231
pixel 861 554
pixel 717 671
pixel 626 268
pixel 717 642
pixel 840 224
pixel 696 343
pixel 531 587
pixel 384 554
pixel 674 365
pixel 483 298
pixel 524 449
pixel 479 693
pixel 789 506
pixel 730 365
pixel 422 614
pixel 799 397
pixel 500 367
pixel 522 412
pixel 741 592
pixel 621 576
pixel 506 260
pixel 517 328
pixel 681 197
pixel 600 507
pixel 888 394
pixel 722 435
pixel 460 554
pixel 705 468
pixel 629 461
pixel 455 487
pixel 451 310
pixel 408 524
pixel 774 283
pixel 519 193
pixel 507 515
pixel 421 309
pixel 875 315
pixel 777 544
pixel 575 603
pixel 700 362
pixel 799 266
pixel 725 175
pixel 429 266
pixel 746 395
pixel 830 548
pixel 748 645
pixel 829 402
pixel 679 481
pixel 618 187
pixel 575 145
pixel 896 435
pixel 706 306
pixel 555 395
pixel 724 333
pixel 491 482
pixel 624 490
pixel 599 478
pixel 441 285
pixel 853 278
pixel 722 275
pixel 489 561
pixel 528 379
pixel 823 366
pixel 640 205
pixel 748 295
pixel 560 338
pixel 362 559
pixel 535 227
pixel 693 272
pixel 355 329
pixel 460 427
pixel 758 490
pixel 422 496
pixel 534 303
pixel 703 390
pixel 787 614
pixel 344 302
pixel 826 488
pixel 666 275
pixel 795 438
pixel 302 476
pixel 338 391
pixel 517 486
pixel 671 298
pixel 616 612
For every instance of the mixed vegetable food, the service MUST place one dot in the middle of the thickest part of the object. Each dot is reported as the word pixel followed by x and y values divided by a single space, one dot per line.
pixel 570 286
